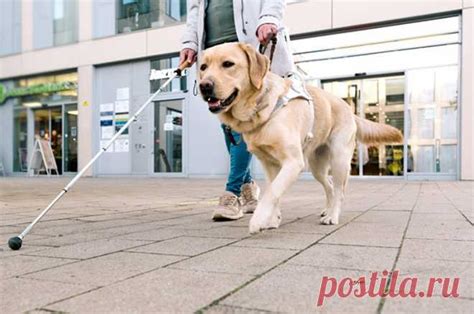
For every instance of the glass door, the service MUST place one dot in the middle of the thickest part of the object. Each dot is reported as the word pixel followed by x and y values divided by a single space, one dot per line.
pixel 379 99
pixel 168 136
pixel 58 125
pixel 432 114
pixel 70 138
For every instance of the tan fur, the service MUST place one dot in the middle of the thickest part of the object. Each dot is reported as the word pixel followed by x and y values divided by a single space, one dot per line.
pixel 280 139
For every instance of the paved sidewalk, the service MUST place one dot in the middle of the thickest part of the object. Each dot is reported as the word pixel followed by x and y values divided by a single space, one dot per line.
pixel 148 245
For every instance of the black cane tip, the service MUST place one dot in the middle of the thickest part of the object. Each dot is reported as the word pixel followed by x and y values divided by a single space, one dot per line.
pixel 15 243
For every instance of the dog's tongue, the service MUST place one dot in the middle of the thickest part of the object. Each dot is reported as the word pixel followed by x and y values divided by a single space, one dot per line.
pixel 214 103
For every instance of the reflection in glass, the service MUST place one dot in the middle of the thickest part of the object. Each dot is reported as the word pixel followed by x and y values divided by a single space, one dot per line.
pixel 433 135
pixel 448 158
pixel 178 84
pixel 425 123
pixel 70 138
pixel 168 140
pixel 448 122
pixel 141 14
pixel 65 25
pixel 424 159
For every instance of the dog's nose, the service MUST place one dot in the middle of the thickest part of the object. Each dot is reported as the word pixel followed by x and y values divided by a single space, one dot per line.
pixel 207 88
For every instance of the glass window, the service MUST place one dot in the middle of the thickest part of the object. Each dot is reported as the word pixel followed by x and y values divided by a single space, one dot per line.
pixel 168 136
pixel 10 27
pixel 65 22
pixel 158 68
pixel 141 14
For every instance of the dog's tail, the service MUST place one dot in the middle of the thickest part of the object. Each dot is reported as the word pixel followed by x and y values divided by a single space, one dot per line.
pixel 372 133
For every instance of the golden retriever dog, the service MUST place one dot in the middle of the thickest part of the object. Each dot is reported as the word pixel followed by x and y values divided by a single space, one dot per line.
pixel 235 81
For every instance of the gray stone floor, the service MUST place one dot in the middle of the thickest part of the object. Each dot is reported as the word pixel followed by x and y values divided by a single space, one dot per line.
pixel 148 245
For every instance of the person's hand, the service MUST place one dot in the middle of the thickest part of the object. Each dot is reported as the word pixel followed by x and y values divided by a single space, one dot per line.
pixel 187 54
pixel 265 32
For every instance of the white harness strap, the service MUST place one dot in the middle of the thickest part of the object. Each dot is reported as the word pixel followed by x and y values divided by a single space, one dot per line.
pixel 297 90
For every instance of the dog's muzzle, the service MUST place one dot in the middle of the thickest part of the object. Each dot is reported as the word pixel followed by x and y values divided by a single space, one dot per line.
pixel 217 105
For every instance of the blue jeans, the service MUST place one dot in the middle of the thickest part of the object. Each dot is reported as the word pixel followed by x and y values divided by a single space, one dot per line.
pixel 240 158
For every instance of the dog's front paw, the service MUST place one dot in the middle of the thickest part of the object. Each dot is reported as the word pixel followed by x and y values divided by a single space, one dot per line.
pixel 259 223
pixel 330 219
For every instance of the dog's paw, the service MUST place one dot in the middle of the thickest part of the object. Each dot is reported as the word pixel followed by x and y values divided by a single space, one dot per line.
pixel 258 224
pixel 329 220
pixel 324 212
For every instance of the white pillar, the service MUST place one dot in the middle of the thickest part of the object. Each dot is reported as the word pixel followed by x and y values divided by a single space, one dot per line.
pixel 85 19
pixel 85 107
pixel 467 96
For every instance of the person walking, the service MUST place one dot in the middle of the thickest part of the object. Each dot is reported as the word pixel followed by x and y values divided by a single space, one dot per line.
pixel 214 22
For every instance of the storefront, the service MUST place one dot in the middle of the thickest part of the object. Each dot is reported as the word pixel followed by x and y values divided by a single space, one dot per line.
pixel 44 107
pixel 405 75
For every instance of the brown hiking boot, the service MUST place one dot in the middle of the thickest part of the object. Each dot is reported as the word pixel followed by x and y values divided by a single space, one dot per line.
pixel 249 197
pixel 228 208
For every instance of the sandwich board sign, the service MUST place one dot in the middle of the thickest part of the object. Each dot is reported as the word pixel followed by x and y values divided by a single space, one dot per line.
pixel 42 158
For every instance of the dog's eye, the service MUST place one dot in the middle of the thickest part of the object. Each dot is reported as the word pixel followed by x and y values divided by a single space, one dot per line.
pixel 228 64
pixel 203 67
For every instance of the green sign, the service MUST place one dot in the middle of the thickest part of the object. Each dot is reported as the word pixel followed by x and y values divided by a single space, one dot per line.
pixel 36 89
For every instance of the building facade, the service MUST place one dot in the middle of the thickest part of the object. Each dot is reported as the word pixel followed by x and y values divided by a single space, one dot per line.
pixel 73 71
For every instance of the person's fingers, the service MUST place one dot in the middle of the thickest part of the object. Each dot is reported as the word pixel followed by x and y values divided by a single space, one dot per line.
pixel 182 57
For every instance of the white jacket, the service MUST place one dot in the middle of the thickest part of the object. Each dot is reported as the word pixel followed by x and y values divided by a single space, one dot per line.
pixel 248 16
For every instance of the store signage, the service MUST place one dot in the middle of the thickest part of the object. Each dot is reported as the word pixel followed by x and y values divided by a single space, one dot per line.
pixel 35 89
pixel 164 74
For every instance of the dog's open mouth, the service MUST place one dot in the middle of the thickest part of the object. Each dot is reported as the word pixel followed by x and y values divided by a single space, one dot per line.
pixel 217 105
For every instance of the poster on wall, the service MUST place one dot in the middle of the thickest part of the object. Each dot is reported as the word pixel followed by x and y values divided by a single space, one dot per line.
pixel 107 120
pixel 121 145
pixel 120 121
pixel 123 93
pixel 122 106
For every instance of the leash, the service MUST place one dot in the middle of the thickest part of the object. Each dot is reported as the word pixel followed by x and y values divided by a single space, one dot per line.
pixel 263 47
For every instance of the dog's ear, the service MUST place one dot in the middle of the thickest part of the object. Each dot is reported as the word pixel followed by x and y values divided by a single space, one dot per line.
pixel 258 65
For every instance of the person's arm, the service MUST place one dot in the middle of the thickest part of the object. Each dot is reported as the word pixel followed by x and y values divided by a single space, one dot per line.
pixel 272 12
pixel 270 19
pixel 189 40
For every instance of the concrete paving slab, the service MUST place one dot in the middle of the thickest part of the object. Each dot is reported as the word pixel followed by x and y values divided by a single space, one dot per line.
pixel 156 234
pixel 163 290
pixel 368 234
pixel 105 270
pixel 22 264
pixel 438 250
pixel 20 295
pixel 90 249
pixel 425 269
pixel 440 226
pixel 428 305
pixel 236 260
pixel 347 257
pixel 279 240
pixel 295 289
pixel 186 246
pixel 311 224
pixel 226 232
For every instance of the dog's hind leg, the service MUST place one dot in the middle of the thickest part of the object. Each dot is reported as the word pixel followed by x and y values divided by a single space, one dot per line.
pixel 319 165
pixel 340 159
